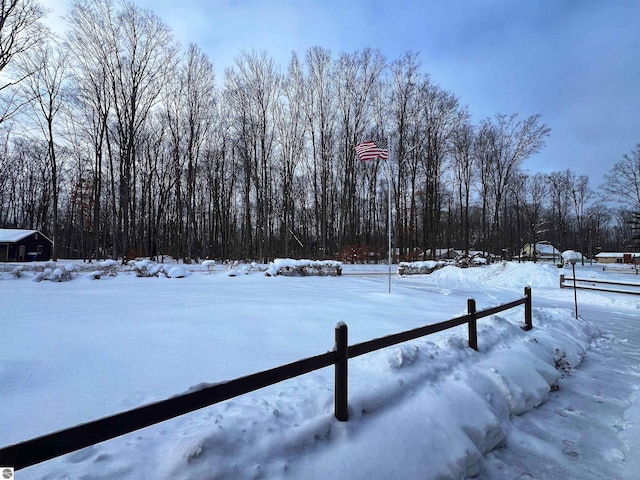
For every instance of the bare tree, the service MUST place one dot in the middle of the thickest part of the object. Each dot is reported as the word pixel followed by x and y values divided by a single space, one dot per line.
pixel 403 106
pixel 7 173
pixel 91 100
pixel 535 190
pixel 483 152
pixel 44 89
pixel 580 193
pixel 438 112
pixel 354 75
pixel 623 180
pixel 254 87
pixel 509 142
pixel 124 53
pixel 158 187
pixel 20 31
pixel 622 232
pixel 25 183
pixel 189 113
pixel 560 206
pixel 199 80
pixel 635 228
pixel 463 170
pixel 597 227
pixel 223 181
pixel 321 115
pixel 292 127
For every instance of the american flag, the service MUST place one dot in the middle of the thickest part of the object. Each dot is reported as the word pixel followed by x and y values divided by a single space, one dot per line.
pixel 371 150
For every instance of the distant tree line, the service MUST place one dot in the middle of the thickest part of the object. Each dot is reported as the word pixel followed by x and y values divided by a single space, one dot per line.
pixel 117 143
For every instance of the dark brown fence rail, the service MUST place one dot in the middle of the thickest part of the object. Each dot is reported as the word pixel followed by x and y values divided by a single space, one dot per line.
pixel 52 445
pixel 595 285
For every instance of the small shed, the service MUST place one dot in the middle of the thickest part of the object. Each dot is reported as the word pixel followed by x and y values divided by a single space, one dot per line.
pixel 617 257
pixel 18 245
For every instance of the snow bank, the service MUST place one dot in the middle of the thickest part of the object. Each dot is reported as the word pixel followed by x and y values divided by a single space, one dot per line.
pixel 57 274
pixel 147 268
pixel 175 272
pixel 456 404
pixel 110 267
pixel 291 267
pixel 424 267
pixel 505 274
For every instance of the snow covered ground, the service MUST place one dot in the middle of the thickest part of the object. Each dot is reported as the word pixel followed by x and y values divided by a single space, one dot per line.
pixel 559 401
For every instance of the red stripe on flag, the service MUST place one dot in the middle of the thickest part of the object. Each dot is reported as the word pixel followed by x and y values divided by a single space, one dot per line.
pixel 364 146
pixel 374 153
pixel 370 151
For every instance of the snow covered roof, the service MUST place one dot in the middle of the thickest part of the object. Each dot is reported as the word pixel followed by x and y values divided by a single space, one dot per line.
pixel 11 235
pixel 615 255
pixel 546 248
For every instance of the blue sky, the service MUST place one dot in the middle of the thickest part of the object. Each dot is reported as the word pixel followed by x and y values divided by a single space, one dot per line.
pixel 575 62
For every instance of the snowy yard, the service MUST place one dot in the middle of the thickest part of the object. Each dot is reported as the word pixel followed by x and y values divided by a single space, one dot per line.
pixel 431 408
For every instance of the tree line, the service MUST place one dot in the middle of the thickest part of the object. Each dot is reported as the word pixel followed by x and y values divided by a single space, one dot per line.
pixel 117 142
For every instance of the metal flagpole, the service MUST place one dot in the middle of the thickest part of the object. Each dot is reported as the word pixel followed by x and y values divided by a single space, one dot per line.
pixel 389 215
pixel 371 151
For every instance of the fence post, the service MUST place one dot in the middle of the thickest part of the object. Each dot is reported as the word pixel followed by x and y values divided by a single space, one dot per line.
pixel 528 316
pixel 562 280
pixel 342 356
pixel 473 328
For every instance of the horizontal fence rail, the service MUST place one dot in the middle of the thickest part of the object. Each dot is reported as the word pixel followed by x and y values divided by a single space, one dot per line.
pixel 388 341
pixel 53 445
pixel 633 270
pixel 582 285
pixel 65 441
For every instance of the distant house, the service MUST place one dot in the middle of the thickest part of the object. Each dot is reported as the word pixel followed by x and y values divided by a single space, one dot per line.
pixel 23 245
pixel 541 251
pixel 618 257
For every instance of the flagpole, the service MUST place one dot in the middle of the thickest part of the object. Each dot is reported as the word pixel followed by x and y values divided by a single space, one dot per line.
pixel 369 150
pixel 388 162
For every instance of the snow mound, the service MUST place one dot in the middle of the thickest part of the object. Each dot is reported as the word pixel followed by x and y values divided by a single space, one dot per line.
pixel 288 266
pixel 175 272
pixel 570 256
pixel 209 265
pixel 62 274
pixel 424 267
pixel 505 274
